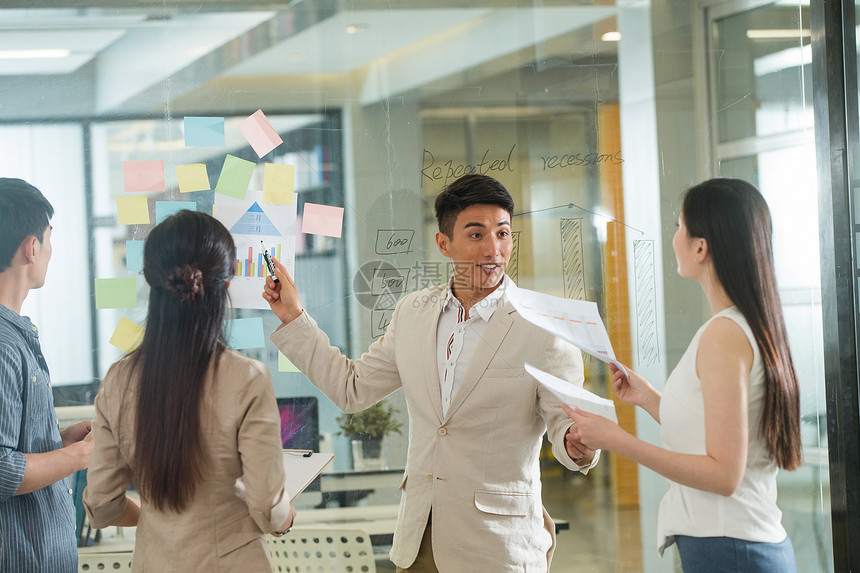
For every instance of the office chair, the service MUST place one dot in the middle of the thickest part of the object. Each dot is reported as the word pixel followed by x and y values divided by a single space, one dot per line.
pixel 94 562
pixel 330 550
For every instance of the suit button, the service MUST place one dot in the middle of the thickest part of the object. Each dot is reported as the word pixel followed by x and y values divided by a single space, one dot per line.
pixel 442 431
pixel 429 476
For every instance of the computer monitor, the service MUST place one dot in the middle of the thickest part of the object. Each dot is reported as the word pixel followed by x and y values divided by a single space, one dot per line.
pixel 300 426
pixel 299 423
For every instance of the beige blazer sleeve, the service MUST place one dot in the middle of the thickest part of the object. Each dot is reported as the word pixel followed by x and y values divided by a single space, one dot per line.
pixel 108 475
pixel 352 385
pixel 563 360
pixel 260 449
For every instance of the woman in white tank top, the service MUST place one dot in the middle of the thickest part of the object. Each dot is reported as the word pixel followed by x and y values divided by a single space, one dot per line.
pixel 729 412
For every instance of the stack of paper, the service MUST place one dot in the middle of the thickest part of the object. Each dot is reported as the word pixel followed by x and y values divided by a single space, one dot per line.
pixel 300 468
pixel 573 395
pixel 576 321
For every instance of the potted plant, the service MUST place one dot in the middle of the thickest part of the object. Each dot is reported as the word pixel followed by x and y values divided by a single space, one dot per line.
pixel 368 427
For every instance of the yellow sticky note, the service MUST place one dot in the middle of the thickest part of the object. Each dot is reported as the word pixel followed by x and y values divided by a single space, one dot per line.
pixel 192 177
pixel 284 364
pixel 127 336
pixel 278 183
pixel 132 210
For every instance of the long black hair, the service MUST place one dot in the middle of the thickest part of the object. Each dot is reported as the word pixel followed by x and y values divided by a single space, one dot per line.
pixel 733 217
pixel 188 263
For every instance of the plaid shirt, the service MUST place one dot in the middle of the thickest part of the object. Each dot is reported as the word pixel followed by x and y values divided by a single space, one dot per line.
pixel 37 530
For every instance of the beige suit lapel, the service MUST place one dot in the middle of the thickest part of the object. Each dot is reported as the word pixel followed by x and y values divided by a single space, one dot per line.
pixel 427 339
pixel 496 331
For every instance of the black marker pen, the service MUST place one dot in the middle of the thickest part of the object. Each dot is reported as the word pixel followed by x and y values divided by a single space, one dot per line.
pixel 269 262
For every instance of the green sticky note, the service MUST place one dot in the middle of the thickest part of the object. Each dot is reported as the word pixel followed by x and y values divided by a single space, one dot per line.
pixel 246 333
pixel 116 293
pixel 284 364
pixel 235 177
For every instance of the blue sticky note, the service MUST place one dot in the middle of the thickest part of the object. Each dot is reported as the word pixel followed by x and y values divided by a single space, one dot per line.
pixel 245 333
pixel 134 255
pixel 164 209
pixel 204 132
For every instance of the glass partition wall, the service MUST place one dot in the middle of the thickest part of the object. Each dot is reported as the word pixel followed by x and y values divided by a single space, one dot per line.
pixel 596 116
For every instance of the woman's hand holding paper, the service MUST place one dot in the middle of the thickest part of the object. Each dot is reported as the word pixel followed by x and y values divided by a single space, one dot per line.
pixel 592 430
pixel 631 388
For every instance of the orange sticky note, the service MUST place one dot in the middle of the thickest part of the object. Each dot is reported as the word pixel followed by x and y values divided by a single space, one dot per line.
pixel 132 210
pixel 127 336
pixel 322 220
pixel 260 133
pixel 192 177
pixel 143 176
pixel 278 183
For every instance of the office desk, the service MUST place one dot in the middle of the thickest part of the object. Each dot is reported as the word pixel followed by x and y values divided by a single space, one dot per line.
pixel 348 487
pixel 377 520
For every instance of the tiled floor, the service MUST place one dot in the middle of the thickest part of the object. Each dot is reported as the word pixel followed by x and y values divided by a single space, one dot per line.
pixel 596 530
pixel 605 539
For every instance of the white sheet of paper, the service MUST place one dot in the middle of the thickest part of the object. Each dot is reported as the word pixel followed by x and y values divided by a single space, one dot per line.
pixel 576 321
pixel 573 395
pixel 250 221
pixel 300 471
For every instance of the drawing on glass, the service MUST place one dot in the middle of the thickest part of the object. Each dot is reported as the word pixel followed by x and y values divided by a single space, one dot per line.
pixel 572 259
pixel 646 303
pixel 513 269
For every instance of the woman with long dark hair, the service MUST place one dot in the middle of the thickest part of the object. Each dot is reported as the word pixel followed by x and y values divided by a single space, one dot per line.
pixel 729 411
pixel 185 416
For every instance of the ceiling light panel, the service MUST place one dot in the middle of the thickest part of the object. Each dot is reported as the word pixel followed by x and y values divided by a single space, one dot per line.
pixel 65 19
pixel 82 46
pixel 329 49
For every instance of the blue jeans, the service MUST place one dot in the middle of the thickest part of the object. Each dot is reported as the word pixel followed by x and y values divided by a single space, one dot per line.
pixel 730 555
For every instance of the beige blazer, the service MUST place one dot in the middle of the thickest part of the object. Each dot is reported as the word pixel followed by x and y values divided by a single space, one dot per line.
pixel 241 436
pixel 477 467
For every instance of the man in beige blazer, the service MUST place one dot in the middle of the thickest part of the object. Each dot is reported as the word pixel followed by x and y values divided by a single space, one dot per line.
pixel 471 493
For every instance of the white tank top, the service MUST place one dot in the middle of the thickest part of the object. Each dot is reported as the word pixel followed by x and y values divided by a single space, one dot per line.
pixel 751 512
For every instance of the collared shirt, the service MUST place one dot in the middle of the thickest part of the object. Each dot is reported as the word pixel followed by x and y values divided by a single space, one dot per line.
pixel 458 337
pixel 37 530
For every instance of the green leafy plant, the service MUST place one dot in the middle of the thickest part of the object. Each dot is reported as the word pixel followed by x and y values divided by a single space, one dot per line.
pixel 370 424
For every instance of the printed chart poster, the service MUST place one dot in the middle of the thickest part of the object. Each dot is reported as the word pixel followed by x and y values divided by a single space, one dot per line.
pixel 256 225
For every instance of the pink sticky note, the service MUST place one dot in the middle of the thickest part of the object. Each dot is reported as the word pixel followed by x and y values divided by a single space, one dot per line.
pixel 322 220
pixel 139 176
pixel 260 133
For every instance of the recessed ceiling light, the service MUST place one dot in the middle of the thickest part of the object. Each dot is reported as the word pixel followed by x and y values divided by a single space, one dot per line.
pixel 611 36
pixel 33 54
pixel 355 28
pixel 776 34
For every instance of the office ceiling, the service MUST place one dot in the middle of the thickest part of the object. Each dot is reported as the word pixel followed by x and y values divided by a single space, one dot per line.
pixel 110 61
